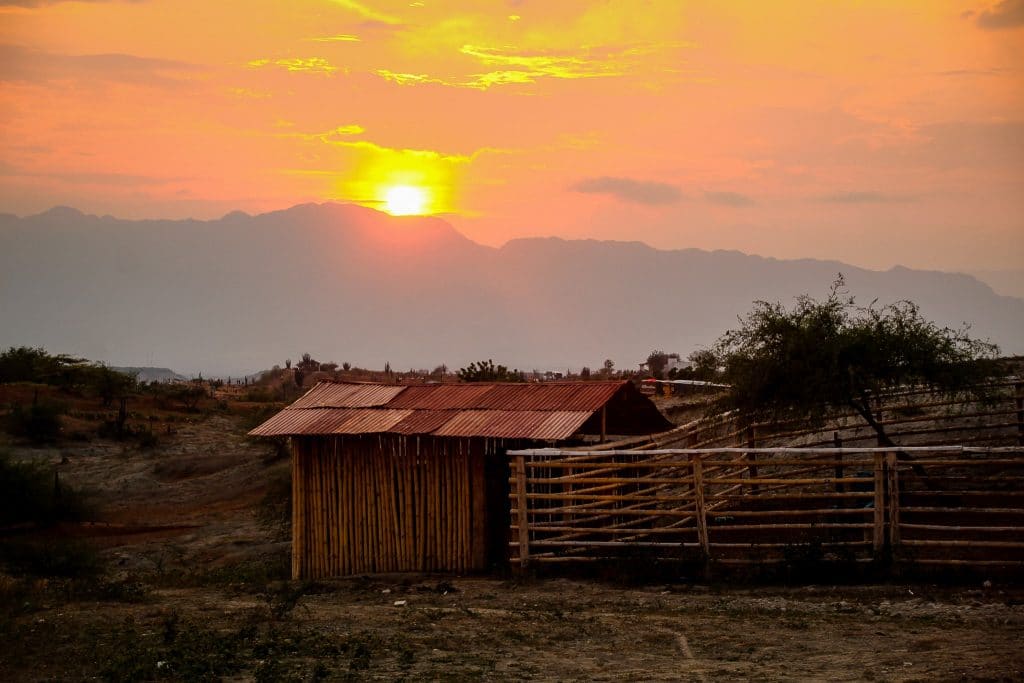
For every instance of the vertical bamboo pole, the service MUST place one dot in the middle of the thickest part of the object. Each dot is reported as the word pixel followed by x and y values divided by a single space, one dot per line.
pixel 478 490
pixel 332 508
pixel 604 423
pixel 315 527
pixel 358 523
pixel 321 524
pixel 696 467
pixel 397 459
pixel 522 519
pixel 894 499
pixel 343 531
pixel 350 508
pixel 432 490
pixel 297 490
pixel 417 503
pixel 879 526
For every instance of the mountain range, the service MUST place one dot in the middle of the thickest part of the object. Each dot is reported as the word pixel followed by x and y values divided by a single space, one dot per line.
pixel 347 283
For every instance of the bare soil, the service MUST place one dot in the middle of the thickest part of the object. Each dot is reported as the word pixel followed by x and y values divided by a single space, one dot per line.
pixel 196 589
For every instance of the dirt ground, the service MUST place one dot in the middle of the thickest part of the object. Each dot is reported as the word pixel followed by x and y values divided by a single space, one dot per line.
pixel 195 589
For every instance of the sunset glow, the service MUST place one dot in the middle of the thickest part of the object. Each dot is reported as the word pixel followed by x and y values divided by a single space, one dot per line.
pixel 867 130
pixel 405 200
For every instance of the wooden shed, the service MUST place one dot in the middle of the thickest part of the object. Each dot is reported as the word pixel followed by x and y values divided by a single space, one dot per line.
pixel 392 478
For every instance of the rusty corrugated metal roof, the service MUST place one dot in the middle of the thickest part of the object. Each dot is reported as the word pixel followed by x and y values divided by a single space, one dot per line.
pixel 423 421
pixel 559 423
pixel 541 412
pixel 441 396
pixel 290 423
pixel 339 395
pixel 561 397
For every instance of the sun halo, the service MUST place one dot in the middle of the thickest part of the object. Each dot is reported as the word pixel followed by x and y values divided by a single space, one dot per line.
pixel 405 200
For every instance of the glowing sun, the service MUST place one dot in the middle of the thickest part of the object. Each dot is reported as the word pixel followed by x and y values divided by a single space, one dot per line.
pixel 405 200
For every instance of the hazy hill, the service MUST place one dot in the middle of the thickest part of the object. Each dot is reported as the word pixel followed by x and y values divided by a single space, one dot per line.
pixel 348 283
pixel 151 374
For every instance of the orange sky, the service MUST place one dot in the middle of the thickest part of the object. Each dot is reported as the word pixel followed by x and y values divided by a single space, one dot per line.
pixel 870 131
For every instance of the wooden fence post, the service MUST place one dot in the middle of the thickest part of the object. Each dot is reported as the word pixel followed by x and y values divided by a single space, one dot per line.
pixel 1018 395
pixel 696 466
pixel 894 499
pixel 878 540
pixel 837 441
pixel 752 457
pixel 521 512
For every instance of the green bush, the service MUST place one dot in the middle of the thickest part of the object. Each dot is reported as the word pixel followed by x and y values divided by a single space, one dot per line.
pixel 39 423
pixel 32 493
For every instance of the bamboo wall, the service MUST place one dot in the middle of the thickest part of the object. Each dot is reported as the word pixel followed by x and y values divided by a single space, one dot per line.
pixel 912 506
pixel 389 503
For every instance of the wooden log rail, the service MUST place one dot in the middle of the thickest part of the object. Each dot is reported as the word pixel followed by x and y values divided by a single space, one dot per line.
pixel 746 505
pixel 962 416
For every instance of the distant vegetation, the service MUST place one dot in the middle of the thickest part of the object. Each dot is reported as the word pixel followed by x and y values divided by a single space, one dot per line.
pixel 487 371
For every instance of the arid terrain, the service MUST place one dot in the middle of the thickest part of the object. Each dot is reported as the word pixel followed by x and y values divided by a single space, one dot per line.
pixel 192 585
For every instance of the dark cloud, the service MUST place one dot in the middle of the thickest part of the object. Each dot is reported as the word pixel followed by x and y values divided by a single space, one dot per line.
pixel 862 197
pixel 1004 14
pixel 733 199
pixel 629 190
pixel 26 64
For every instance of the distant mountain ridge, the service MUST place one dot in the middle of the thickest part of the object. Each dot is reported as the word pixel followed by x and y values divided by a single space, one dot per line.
pixel 347 283
pixel 148 374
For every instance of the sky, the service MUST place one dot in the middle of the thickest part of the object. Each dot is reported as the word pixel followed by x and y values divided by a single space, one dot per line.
pixel 874 132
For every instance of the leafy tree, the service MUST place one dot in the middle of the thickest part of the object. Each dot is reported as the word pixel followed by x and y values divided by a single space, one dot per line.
pixel 608 369
pixel 703 365
pixel 487 371
pixel 824 355
pixel 656 362
pixel 585 372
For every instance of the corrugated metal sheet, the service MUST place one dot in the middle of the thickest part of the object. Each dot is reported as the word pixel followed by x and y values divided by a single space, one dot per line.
pixel 541 425
pixel 542 412
pixel 465 423
pixel 576 396
pixel 423 421
pixel 371 421
pixel 340 395
pixel 561 425
pixel 290 423
pixel 442 396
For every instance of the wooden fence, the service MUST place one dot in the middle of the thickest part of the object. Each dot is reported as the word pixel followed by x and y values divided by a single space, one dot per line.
pixel 913 417
pixel 948 505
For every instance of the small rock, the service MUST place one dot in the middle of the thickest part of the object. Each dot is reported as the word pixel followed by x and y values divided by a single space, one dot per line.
pixel 401 603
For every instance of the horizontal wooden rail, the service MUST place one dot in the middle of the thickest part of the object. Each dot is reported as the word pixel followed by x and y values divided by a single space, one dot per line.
pixel 867 503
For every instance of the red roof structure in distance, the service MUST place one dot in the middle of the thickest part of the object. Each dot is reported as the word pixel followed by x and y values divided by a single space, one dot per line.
pixel 550 411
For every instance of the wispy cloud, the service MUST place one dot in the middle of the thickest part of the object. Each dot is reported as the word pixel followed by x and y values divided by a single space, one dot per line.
pixel 1004 14
pixel 733 199
pixel 341 38
pixel 368 13
pixel 630 190
pixel 25 64
pixel 528 67
pixel 338 135
pixel 408 79
pixel 308 64
pixel 862 197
